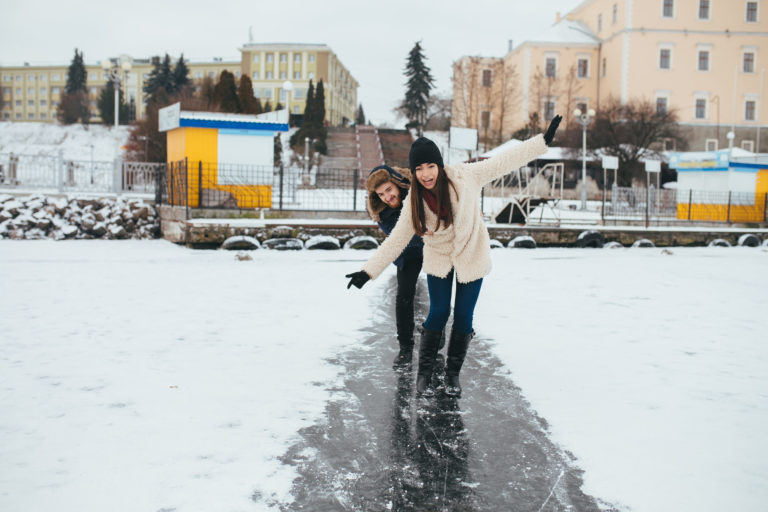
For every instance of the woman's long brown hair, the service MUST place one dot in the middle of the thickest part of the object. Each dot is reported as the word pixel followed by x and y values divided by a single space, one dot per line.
pixel 440 191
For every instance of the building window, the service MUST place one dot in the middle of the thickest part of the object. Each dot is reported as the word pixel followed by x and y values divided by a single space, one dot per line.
pixel 56 76
pixel 582 105
pixel 255 57
pixel 311 57
pixel 257 92
pixel 749 62
pixel 18 115
pixel 668 9
pixel 43 103
pixel 18 78
pixel 297 75
pixel 43 90
pixel 661 105
pixel 283 94
pixel 669 144
pixel 283 75
pixel 701 108
pixel 551 67
pixel 212 74
pixel 270 57
pixel 703 60
pixel 269 75
pixel 710 145
pixel 487 76
pixel 198 74
pixel 599 22
pixel 749 110
pixel 18 103
pixel 268 93
pixel 298 94
pixel 18 91
pixel 255 75
pixel 748 145
pixel 296 109
pixel 485 119
pixel 665 58
pixel 55 90
pixel 31 91
pixel 6 115
pixel 31 115
pixel 615 13
pixel 583 68
pixel 752 12
pixel 43 115
pixel 296 57
pixel 30 103
pixel 703 9
pixel 283 57
pixel 549 110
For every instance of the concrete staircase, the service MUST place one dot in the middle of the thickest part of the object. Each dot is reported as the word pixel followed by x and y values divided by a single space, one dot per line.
pixel 369 154
pixel 342 149
pixel 395 146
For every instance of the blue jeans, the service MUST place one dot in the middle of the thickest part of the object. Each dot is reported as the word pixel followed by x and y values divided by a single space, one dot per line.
pixel 440 303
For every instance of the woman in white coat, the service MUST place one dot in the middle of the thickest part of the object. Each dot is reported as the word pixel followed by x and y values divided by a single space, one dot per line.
pixel 444 208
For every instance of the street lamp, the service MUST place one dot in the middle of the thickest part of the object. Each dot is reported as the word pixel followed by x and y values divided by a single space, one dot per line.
pixel 114 73
pixel 584 119
pixel 287 87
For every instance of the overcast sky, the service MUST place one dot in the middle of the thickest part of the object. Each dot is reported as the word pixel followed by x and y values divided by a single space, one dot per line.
pixel 372 39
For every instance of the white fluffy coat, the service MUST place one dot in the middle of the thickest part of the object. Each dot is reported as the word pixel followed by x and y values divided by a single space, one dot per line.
pixel 464 245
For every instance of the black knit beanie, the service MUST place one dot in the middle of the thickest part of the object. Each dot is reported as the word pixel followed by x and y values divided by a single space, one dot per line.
pixel 424 151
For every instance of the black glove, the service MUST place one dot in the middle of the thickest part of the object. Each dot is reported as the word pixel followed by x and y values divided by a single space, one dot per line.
pixel 358 279
pixel 552 129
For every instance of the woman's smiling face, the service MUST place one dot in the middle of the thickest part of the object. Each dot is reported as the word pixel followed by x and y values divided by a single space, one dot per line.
pixel 426 174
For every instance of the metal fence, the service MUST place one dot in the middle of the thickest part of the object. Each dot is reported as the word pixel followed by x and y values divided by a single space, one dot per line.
pixel 54 173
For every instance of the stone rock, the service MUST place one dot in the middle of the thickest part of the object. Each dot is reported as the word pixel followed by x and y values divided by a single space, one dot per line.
pixel 281 232
pixel 117 231
pixel 98 230
pixel 495 244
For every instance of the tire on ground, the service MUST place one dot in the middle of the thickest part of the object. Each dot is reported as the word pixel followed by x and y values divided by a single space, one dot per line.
pixel 719 242
pixel 522 242
pixel 590 239
pixel 644 243
pixel 241 243
pixel 749 240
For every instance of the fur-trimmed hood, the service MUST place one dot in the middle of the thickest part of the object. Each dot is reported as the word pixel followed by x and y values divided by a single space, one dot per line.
pixel 400 176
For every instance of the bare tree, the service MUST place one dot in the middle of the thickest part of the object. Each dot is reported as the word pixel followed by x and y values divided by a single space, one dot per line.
pixel 630 132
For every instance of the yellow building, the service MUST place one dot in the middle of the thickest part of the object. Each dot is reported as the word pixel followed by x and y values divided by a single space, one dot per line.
pixel 32 93
pixel 704 58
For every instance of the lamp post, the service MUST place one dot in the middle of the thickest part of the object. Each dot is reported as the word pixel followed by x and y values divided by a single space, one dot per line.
pixel 584 119
pixel 287 88
pixel 114 73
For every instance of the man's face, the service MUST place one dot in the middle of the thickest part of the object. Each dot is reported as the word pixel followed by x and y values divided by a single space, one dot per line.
pixel 390 194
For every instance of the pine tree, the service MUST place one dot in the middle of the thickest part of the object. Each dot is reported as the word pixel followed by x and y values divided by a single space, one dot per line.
pixel 74 103
pixel 208 92
pixel 226 93
pixel 360 115
pixel 161 76
pixel 106 105
pixel 278 151
pixel 248 103
pixel 268 106
pixel 420 82
pixel 309 104
pixel 180 76
pixel 318 116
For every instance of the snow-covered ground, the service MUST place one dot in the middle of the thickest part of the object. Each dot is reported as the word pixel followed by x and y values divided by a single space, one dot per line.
pixel 77 142
pixel 138 375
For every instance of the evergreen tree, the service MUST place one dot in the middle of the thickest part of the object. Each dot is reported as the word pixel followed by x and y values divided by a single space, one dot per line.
pixel 309 104
pixel 248 102
pixel 207 92
pixel 268 106
pixel 318 115
pixel 76 75
pixel 180 76
pixel 420 82
pixel 360 115
pixel 161 77
pixel 278 151
pixel 74 105
pixel 106 105
pixel 226 93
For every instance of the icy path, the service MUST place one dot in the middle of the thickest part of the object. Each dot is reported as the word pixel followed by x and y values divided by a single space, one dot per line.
pixel 381 448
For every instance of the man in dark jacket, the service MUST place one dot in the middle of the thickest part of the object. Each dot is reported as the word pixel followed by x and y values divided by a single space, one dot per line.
pixel 387 188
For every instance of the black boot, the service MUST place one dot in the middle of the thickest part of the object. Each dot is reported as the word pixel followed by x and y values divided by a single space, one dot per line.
pixel 427 352
pixel 405 326
pixel 457 350
pixel 404 357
